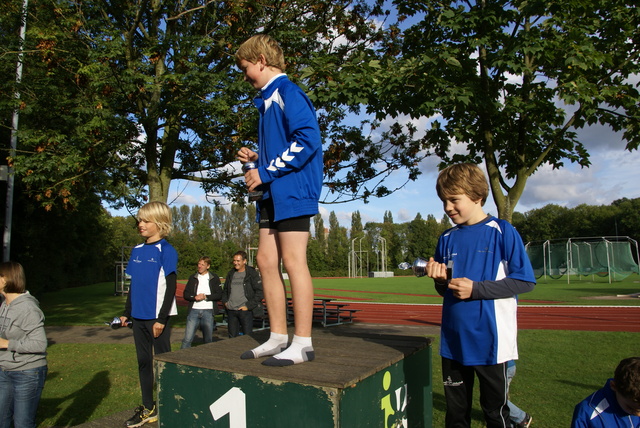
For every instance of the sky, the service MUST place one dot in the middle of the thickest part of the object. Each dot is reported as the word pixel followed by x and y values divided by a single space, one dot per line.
pixel 614 174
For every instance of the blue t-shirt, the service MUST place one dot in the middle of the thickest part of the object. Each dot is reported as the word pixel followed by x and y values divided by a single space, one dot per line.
pixel 482 331
pixel 148 266
pixel 601 410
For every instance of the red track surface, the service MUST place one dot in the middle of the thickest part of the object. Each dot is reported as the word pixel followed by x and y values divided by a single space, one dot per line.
pixel 587 318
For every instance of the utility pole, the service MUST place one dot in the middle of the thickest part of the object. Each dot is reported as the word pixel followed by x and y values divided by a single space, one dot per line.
pixel 6 239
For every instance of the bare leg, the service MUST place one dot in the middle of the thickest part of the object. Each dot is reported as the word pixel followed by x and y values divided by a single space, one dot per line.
pixel 272 282
pixel 294 256
pixel 293 246
pixel 274 295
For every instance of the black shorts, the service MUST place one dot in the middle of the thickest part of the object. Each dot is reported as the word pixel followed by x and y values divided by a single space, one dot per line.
pixel 294 224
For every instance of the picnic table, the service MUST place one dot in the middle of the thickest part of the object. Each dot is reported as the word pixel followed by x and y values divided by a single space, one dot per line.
pixel 328 312
pixel 325 311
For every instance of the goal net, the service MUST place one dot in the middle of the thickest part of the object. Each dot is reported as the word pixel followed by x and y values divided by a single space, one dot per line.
pixel 613 257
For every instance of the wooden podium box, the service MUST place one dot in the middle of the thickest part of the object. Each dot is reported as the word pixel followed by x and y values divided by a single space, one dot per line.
pixel 373 381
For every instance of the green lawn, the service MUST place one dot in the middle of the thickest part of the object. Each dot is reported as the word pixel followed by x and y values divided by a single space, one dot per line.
pixel 556 368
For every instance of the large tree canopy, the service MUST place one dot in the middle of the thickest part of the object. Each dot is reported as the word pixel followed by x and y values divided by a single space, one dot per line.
pixel 513 80
pixel 122 97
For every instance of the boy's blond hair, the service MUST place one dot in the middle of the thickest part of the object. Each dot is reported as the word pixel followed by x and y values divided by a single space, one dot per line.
pixel 463 178
pixel 261 44
pixel 158 213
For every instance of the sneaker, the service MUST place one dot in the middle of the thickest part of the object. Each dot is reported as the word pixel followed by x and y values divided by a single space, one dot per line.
pixel 141 417
pixel 526 423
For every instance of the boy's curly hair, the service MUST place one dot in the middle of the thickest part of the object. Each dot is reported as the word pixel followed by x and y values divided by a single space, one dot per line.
pixel 627 378
pixel 463 179
pixel 261 44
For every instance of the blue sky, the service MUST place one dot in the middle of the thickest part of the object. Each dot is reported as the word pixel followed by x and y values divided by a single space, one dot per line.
pixel 614 174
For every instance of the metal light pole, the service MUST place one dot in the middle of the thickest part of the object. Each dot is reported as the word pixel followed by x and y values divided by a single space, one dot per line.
pixel 6 239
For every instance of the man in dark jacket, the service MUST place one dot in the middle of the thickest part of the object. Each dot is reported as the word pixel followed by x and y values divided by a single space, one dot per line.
pixel 202 292
pixel 242 296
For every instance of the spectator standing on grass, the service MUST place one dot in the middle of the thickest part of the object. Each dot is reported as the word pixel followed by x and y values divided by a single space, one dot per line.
pixel 488 267
pixel 203 292
pixel 23 350
pixel 242 296
pixel 289 173
pixel 519 418
pixel 151 301
pixel 617 404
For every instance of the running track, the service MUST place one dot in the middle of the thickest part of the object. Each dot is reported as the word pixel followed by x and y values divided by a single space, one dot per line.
pixel 530 317
pixel 587 318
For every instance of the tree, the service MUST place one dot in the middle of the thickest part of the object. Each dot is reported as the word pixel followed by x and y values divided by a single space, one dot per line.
pixel 514 80
pixel 316 250
pixel 337 246
pixel 123 97
pixel 394 244
pixel 356 230
pixel 418 239
pixel 627 217
pixel 548 222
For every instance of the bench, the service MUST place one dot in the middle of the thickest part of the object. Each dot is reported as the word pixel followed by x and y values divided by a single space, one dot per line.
pixel 325 312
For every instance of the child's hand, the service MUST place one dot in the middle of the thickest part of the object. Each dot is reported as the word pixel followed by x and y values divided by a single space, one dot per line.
pixel 246 155
pixel 437 271
pixel 157 329
pixel 252 178
pixel 461 287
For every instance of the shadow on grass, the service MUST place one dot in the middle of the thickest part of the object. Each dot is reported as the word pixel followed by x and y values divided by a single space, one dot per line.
pixel 84 402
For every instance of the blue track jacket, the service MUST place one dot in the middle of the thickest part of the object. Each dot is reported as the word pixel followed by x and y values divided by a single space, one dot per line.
pixel 289 149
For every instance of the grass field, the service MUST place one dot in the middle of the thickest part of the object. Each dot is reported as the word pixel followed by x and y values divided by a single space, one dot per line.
pixel 555 371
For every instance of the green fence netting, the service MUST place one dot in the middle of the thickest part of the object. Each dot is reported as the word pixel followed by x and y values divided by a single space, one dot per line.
pixel 613 257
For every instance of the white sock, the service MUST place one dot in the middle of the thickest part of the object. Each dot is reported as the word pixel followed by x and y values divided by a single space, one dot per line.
pixel 277 343
pixel 299 351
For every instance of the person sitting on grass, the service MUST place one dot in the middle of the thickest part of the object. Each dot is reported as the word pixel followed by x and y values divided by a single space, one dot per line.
pixel 617 404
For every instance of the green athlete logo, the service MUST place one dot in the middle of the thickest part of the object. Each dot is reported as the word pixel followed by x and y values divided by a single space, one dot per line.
pixel 394 417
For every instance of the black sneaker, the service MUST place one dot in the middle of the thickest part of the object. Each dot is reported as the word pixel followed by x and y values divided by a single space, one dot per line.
pixel 141 417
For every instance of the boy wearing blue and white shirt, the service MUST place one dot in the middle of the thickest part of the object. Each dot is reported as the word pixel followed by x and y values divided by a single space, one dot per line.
pixel 289 172
pixel 489 267
pixel 153 267
pixel 617 404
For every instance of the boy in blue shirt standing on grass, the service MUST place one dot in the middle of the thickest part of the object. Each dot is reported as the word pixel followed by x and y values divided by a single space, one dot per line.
pixel 289 173
pixel 151 301
pixel 488 268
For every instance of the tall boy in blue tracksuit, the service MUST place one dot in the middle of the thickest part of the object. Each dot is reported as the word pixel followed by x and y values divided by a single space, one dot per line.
pixel 289 172
pixel 489 268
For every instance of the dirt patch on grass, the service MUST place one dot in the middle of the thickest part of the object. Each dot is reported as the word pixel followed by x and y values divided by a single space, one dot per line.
pixel 634 296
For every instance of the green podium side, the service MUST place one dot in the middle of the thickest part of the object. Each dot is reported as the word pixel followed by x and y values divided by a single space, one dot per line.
pixel 364 381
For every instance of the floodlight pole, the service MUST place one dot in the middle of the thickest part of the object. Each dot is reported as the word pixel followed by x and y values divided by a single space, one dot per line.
pixel 6 239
